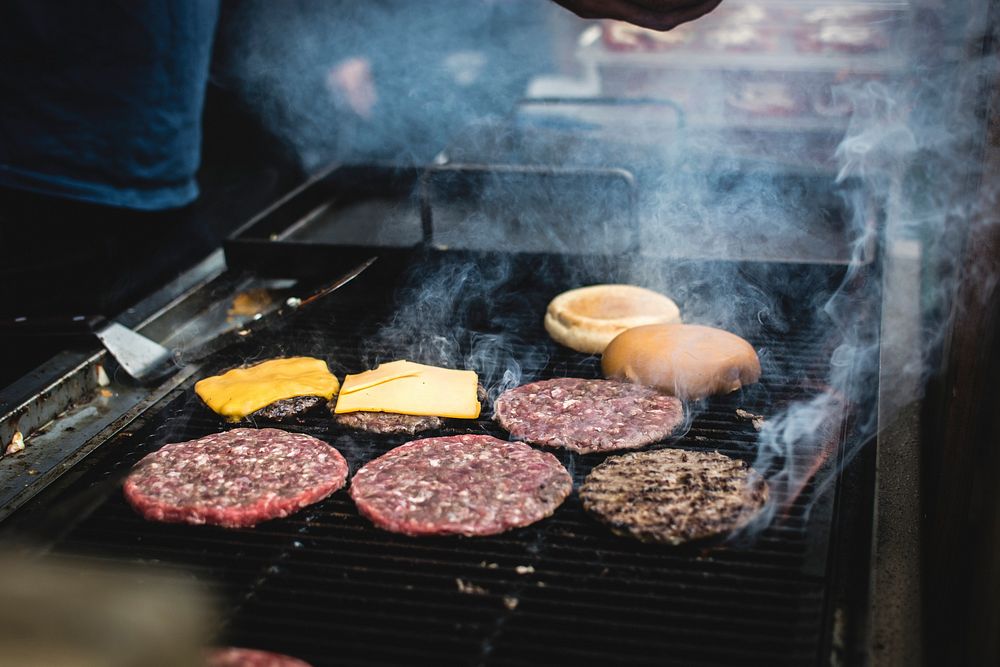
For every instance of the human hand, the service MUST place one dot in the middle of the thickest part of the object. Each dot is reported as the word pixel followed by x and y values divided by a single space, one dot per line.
pixel 652 14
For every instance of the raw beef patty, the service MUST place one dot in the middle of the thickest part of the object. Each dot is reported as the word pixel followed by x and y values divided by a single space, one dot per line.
pixel 246 657
pixel 236 478
pixel 588 415
pixel 464 484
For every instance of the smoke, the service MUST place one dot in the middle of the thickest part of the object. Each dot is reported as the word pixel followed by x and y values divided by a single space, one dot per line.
pixel 451 314
pixel 911 144
pixel 721 203
pixel 347 81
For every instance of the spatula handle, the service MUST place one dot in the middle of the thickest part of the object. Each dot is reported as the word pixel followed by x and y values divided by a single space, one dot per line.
pixel 49 325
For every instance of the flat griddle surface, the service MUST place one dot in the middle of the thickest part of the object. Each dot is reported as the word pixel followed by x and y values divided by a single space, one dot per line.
pixel 326 586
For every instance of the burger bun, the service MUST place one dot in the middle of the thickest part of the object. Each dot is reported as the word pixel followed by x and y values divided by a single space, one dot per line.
pixel 588 318
pixel 688 361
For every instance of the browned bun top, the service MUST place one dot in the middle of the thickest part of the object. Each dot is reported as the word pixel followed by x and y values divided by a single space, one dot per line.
pixel 686 360
pixel 588 318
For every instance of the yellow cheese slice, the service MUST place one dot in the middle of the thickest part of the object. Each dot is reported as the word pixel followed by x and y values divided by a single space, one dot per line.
pixel 407 388
pixel 384 373
pixel 241 391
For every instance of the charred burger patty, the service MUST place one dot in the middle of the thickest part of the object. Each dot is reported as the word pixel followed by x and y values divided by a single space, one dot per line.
pixel 673 495
pixel 288 409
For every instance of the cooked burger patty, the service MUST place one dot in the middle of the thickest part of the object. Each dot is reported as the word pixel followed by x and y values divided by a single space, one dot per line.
pixel 673 495
pixel 246 657
pixel 464 485
pixel 288 409
pixel 588 415
pixel 392 422
pixel 386 422
pixel 235 479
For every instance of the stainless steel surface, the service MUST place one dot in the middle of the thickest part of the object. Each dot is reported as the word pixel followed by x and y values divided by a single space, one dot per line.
pixel 65 440
pixel 895 599
pixel 896 616
pixel 38 398
pixel 896 621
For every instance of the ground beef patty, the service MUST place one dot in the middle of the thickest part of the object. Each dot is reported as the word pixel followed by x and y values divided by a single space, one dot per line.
pixel 392 422
pixel 288 409
pixel 235 479
pixel 246 657
pixel 673 495
pixel 386 422
pixel 463 484
pixel 588 415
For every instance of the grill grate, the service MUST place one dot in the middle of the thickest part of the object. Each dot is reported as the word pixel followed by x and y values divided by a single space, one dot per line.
pixel 326 586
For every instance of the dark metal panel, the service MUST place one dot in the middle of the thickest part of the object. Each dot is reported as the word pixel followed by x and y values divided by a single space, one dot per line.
pixel 960 500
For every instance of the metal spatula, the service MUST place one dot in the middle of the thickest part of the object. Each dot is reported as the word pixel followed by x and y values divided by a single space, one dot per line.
pixel 144 360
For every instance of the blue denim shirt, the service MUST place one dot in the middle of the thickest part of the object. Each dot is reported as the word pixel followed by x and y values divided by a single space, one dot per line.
pixel 101 101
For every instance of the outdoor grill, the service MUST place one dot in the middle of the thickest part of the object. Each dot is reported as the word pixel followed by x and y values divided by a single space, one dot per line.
pixel 850 236
pixel 326 586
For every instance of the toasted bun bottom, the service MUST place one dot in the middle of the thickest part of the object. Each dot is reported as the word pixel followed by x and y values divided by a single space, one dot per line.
pixel 588 318
pixel 684 360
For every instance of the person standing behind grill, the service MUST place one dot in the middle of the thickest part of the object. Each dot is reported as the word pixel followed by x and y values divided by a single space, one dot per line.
pixel 100 143
pixel 100 137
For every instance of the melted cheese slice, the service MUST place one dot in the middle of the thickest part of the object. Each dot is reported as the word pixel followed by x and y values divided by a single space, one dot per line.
pixel 384 373
pixel 406 388
pixel 241 391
